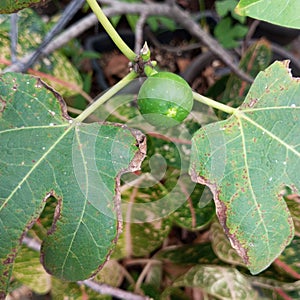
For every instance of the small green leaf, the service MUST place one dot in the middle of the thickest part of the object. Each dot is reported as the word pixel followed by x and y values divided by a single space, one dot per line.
pixel 280 12
pixel 9 6
pixel 229 34
pixel 45 153
pixel 225 7
pixel 220 282
pixel 246 161
pixel 115 20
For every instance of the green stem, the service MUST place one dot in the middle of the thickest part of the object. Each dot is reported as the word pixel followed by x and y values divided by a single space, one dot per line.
pixel 110 93
pixel 111 31
pixel 213 103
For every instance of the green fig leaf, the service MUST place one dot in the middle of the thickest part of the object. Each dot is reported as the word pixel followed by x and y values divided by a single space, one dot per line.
pixel 248 159
pixel 280 12
pixel 45 153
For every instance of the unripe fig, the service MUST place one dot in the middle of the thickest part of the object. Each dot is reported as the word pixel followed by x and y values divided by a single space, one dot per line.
pixel 165 99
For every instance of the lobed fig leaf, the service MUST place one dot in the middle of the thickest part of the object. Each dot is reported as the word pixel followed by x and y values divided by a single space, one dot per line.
pixel 45 153
pixel 248 159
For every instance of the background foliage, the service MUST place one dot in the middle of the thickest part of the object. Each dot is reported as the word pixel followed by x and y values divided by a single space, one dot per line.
pixel 170 244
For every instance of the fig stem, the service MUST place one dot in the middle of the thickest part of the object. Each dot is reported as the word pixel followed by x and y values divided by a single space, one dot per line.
pixel 213 103
pixel 111 30
pixel 106 96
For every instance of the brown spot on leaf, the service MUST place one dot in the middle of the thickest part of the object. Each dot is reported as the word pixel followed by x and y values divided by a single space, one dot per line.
pixel 253 101
pixel 9 260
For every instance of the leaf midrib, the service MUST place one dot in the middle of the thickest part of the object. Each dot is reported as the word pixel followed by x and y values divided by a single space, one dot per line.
pixel 251 187
pixel 81 216
pixel 241 115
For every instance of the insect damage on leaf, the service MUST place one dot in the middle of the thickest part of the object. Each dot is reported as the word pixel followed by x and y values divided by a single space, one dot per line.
pixel 247 159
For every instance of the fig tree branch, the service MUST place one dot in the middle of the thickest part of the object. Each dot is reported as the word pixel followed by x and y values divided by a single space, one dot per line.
pixel 174 12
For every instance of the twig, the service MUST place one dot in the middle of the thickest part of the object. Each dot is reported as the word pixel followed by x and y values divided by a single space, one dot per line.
pixel 31 243
pixel 139 32
pixel 281 264
pixel 127 275
pixel 140 261
pixel 120 8
pixel 281 293
pixel 99 288
pixel 251 30
pixel 67 15
pixel 190 203
pixel 142 276
pixel 74 31
pixel 187 22
pixel 13 36
pixel 127 229
pixel 106 289
pixel 178 49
